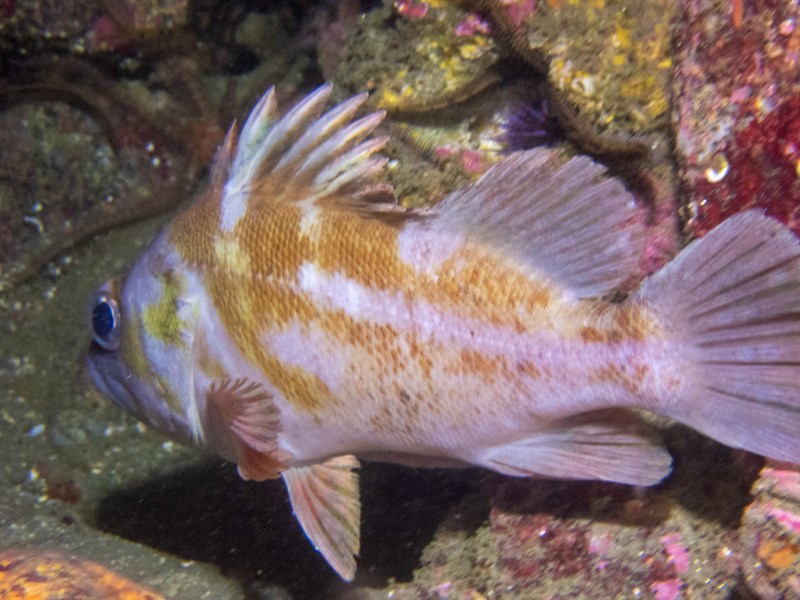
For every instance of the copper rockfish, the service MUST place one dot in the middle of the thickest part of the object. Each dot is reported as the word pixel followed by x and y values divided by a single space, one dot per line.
pixel 292 319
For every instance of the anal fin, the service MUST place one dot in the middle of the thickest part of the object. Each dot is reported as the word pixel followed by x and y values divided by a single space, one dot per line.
pixel 611 445
pixel 325 501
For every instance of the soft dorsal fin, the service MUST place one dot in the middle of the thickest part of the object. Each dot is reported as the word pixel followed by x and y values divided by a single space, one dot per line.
pixel 569 221
pixel 301 157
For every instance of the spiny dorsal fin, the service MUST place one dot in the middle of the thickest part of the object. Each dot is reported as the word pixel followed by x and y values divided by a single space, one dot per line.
pixel 302 157
pixel 223 159
pixel 569 221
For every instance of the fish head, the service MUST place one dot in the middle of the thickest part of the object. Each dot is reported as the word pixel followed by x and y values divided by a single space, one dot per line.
pixel 143 330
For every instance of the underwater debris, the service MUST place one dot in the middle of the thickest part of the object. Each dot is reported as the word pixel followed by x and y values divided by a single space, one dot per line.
pixel 57 485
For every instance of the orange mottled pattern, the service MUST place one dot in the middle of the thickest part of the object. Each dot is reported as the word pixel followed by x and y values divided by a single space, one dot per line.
pixel 252 276
pixel 29 574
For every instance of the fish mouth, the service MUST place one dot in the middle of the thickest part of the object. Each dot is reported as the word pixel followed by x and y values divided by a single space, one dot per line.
pixel 108 378
pixel 114 379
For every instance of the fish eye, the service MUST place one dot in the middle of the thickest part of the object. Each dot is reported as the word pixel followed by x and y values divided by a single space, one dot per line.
pixel 105 322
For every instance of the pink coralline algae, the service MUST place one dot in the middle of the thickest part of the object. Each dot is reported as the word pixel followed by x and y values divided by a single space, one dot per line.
pixel 676 551
pixel 667 590
pixel 126 23
pixel 737 112
pixel 474 162
pixel 675 541
pixel 519 10
pixel 771 534
pixel 411 9
pixel 471 25
pixel 790 521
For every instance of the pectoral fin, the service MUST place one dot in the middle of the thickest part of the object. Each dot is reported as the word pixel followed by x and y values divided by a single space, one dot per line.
pixel 248 423
pixel 612 445
pixel 325 500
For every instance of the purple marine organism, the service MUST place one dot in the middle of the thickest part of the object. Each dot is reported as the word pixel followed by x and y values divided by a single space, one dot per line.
pixel 292 319
pixel 529 124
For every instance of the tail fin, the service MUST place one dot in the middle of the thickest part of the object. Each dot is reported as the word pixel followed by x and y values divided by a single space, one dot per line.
pixel 732 298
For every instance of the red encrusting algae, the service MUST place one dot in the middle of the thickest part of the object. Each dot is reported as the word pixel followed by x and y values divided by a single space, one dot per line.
pixel 737 113
pixel 763 171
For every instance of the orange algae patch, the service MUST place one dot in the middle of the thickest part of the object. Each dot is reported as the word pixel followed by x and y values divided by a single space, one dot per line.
pixel 738 13
pixel 28 574
pixel 777 555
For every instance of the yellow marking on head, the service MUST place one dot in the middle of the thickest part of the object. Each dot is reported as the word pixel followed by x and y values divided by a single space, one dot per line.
pixel 133 354
pixel 161 319
pixel 131 347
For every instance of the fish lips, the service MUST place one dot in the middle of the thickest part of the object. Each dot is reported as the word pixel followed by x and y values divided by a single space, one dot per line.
pixel 112 378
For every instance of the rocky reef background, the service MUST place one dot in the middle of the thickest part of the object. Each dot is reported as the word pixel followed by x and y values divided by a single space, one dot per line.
pixel 110 112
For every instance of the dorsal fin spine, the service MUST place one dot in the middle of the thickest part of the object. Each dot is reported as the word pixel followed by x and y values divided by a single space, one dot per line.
pixel 302 157
pixel 327 156
pixel 253 133
pixel 322 129
pixel 284 134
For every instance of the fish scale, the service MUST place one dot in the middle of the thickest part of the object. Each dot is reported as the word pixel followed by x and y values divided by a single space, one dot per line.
pixel 292 321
